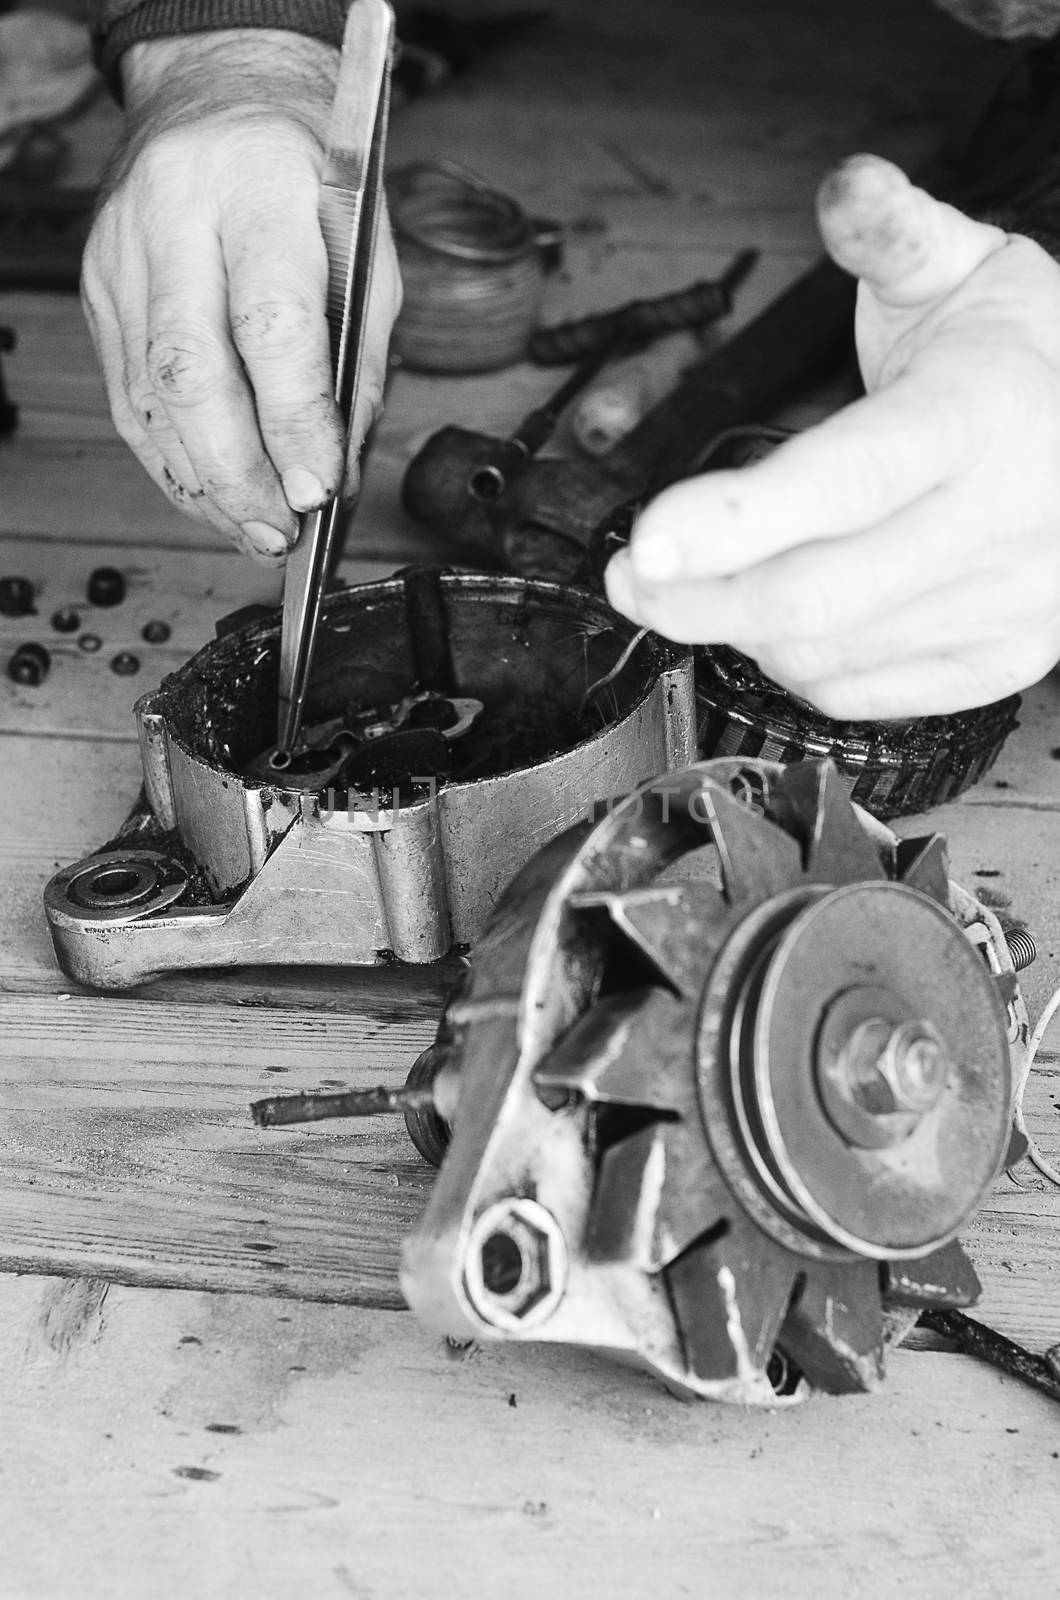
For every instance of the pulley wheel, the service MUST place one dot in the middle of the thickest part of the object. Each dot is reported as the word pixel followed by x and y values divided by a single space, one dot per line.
pixel 885 956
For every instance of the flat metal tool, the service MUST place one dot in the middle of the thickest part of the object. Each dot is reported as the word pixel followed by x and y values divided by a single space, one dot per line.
pixel 350 198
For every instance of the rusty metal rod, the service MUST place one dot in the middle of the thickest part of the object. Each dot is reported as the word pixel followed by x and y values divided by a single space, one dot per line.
pixel 975 1339
pixel 639 321
pixel 283 1111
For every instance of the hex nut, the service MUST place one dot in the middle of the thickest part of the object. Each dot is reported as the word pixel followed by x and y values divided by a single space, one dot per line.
pixel 516 1264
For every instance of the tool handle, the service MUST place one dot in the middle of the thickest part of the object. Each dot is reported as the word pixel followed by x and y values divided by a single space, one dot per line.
pixel 537 428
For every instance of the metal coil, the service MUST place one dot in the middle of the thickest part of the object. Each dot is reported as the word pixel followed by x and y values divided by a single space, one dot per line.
pixel 1021 947
pixel 471 270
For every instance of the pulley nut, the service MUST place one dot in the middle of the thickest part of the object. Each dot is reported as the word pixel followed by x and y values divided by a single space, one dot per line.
pixel 915 1066
pixel 877 1073
pixel 887 1068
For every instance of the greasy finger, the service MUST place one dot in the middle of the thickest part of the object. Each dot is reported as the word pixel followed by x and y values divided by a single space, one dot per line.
pixel 179 484
pixel 988 611
pixel 197 374
pixel 116 339
pixel 849 472
pixel 820 589
pixel 931 685
pixel 277 286
pixel 141 421
pixel 909 248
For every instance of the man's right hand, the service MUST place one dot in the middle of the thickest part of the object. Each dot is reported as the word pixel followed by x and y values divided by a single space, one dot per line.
pixel 204 284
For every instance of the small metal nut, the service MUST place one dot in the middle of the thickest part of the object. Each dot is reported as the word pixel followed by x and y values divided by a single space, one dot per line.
pixel 106 587
pixel 16 597
pixel 29 665
pixel 66 620
pixel 155 632
pixel 90 643
pixel 125 664
pixel 515 1272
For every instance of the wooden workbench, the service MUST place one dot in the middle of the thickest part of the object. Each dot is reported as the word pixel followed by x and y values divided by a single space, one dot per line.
pixel 209 1387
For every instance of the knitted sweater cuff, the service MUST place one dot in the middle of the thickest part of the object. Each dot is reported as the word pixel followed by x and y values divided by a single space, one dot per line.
pixel 116 27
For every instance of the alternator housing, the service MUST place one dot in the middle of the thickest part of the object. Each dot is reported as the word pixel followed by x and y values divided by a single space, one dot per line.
pixel 735 1066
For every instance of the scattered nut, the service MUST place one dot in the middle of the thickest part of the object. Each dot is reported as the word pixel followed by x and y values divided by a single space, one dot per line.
pixel 155 632
pixel 125 664
pixel 29 665
pixel 106 587
pixel 90 643
pixel 66 620
pixel 16 597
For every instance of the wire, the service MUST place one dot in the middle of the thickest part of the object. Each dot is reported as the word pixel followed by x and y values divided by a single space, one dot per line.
pixel 609 677
pixel 1034 1154
pixel 471 268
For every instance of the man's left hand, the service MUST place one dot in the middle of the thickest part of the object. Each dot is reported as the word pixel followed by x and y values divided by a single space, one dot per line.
pixel 903 557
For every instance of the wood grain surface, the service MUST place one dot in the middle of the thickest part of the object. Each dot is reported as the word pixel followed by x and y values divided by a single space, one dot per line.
pixel 181 1444
pixel 209 1390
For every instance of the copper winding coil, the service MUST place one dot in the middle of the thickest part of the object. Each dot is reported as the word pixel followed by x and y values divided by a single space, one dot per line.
pixel 471 270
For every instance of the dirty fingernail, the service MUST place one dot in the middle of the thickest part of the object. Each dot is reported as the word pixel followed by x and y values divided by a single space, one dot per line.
pixel 303 489
pixel 265 539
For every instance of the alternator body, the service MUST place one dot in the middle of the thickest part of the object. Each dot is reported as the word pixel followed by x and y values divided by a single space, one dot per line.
pixel 231 860
pixel 735 1065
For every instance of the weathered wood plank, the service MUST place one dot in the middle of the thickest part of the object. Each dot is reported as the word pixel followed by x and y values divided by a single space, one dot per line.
pixel 185 1444
pixel 126 1151
pixel 129 1151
